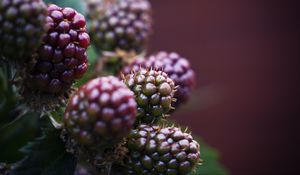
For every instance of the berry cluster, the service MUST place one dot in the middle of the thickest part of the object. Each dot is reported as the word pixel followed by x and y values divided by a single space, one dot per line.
pixel 110 121
pixel 62 56
pixel 46 45
pixel 22 26
pixel 91 115
pixel 126 25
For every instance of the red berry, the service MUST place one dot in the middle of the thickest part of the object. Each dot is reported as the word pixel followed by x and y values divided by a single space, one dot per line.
pixel 56 15
pixel 79 21
pixel 84 40
pixel 69 13
pixel 103 111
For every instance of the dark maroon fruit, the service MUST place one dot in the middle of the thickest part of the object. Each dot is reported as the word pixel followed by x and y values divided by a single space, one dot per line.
pixel 101 112
pixel 62 57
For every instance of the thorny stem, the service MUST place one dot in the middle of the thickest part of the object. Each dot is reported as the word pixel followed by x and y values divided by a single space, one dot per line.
pixel 21 114
pixel 108 167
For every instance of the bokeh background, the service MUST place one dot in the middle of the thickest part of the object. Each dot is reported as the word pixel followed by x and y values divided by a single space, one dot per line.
pixel 245 53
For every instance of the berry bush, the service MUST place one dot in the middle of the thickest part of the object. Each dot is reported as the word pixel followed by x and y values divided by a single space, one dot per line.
pixel 80 95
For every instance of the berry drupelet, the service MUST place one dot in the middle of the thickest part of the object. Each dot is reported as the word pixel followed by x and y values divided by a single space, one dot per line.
pixel 178 69
pixel 125 25
pixel 153 91
pixel 62 57
pixel 101 112
pixel 22 27
pixel 155 150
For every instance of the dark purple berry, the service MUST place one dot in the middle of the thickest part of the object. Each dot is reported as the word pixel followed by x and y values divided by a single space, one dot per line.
pixel 23 24
pixel 179 70
pixel 63 52
pixel 122 24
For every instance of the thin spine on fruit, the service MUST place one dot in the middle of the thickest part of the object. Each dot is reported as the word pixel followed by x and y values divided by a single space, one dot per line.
pixel 154 91
pixel 178 68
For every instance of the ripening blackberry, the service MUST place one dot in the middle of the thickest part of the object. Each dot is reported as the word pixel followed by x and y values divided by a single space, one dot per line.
pixel 155 150
pixel 178 69
pixel 101 112
pixel 154 92
pixel 123 24
pixel 22 27
pixel 62 56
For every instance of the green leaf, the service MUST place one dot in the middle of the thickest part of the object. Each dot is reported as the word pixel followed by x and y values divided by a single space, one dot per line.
pixel 16 135
pixel 9 107
pixel 211 164
pixel 46 156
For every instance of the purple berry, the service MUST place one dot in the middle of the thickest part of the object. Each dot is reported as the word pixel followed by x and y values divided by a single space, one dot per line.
pixel 63 53
pixel 122 25
pixel 23 24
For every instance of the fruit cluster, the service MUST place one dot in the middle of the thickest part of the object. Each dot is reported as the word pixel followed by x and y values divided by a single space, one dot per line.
pixel 110 121
pixel 47 45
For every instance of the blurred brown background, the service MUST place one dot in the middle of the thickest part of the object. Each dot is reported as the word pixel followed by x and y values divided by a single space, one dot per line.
pixel 245 53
